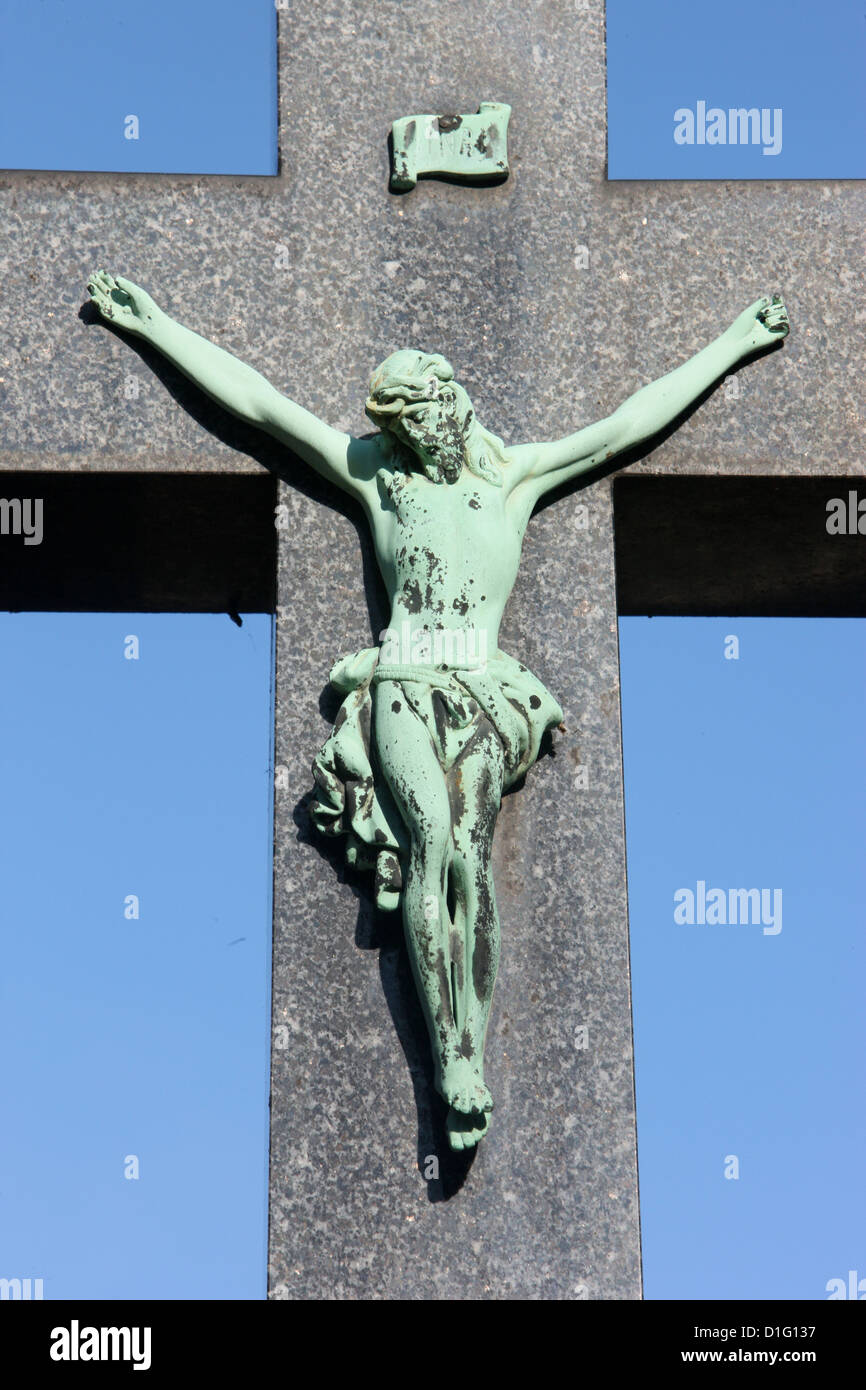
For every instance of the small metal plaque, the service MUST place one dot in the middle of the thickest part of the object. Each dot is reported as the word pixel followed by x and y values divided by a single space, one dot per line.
pixel 474 148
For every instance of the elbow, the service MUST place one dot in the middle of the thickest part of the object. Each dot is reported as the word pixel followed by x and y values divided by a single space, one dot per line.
pixel 625 433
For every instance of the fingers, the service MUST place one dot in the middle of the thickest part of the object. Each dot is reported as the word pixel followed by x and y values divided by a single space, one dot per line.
pixel 112 295
pixel 757 309
pixel 769 305
pixel 99 289
pixel 775 316
pixel 100 285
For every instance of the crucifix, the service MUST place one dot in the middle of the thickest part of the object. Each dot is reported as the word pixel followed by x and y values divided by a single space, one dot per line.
pixel 436 721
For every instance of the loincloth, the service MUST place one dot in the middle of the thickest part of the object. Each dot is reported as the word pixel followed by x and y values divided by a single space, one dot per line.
pixel 352 798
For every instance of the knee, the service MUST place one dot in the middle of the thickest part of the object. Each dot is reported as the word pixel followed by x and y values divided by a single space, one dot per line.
pixel 472 864
pixel 432 845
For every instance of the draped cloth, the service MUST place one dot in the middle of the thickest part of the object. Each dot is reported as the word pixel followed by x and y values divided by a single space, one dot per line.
pixel 351 796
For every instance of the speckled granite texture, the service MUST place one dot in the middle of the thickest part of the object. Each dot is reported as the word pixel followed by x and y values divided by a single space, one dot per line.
pixel 555 295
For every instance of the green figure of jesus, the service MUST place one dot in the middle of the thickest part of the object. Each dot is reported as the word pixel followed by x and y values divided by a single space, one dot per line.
pixel 436 721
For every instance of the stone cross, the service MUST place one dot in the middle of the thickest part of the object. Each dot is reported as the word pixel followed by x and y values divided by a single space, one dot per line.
pixel 559 292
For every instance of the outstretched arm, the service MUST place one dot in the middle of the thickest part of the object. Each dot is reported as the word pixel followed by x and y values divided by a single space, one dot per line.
pixel 653 407
pixel 348 462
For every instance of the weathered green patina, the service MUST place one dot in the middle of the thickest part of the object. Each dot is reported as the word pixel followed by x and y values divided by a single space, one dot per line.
pixel 436 720
pixel 473 148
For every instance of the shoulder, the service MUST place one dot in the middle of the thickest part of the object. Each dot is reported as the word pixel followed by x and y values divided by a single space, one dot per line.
pixel 520 461
pixel 366 458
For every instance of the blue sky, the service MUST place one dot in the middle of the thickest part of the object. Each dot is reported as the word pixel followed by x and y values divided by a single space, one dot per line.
pixel 199 75
pixel 804 58
pixel 150 1036
pixel 748 773
pixel 145 1037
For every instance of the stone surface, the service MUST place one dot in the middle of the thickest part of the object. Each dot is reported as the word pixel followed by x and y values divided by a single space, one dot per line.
pixel 551 294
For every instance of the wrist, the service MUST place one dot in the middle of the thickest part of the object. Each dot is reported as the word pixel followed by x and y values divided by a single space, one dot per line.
pixel 735 345
pixel 153 324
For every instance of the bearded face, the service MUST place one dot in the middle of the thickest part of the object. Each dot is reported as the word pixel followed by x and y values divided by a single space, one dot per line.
pixel 413 397
pixel 435 437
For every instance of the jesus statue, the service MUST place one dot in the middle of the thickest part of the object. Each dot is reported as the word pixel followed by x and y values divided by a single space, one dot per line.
pixel 437 722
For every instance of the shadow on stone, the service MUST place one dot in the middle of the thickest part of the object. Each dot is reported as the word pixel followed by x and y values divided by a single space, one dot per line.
pixel 277 458
pixel 443 1171
pixel 648 446
pixel 383 932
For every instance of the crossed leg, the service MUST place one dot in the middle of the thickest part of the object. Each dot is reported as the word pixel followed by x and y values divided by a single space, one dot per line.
pixel 449 911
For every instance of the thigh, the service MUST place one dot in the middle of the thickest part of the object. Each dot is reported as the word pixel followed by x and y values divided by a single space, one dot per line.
pixel 477 791
pixel 408 760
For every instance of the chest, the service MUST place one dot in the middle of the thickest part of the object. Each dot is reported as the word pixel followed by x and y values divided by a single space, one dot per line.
pixel 457 541
pixel 445 513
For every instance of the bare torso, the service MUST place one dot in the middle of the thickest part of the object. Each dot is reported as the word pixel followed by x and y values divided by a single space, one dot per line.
pixel 448 552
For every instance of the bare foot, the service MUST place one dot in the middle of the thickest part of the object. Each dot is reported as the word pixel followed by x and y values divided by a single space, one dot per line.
pixel 465 1131
pixel 463 1088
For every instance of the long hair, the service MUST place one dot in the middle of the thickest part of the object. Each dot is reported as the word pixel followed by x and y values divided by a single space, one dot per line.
pixel 408 377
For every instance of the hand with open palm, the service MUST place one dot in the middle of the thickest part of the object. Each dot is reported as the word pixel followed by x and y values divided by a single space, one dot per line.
pixel 123 303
